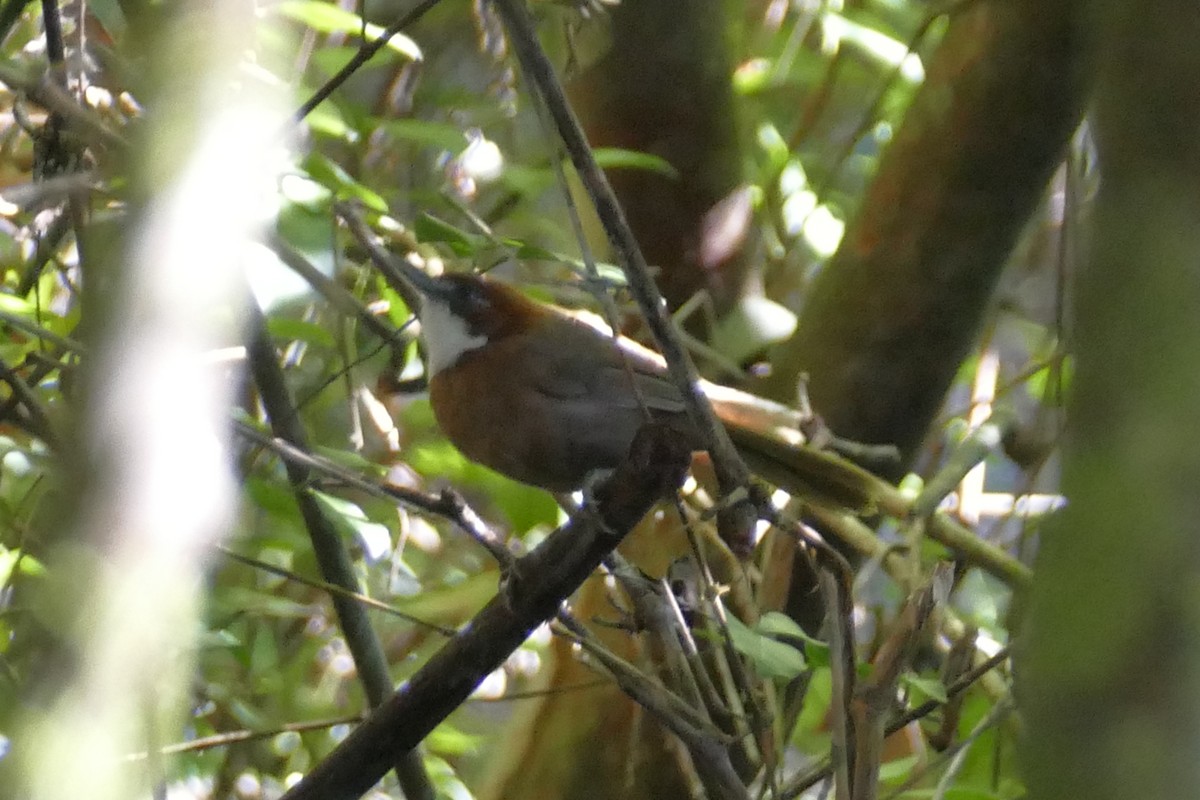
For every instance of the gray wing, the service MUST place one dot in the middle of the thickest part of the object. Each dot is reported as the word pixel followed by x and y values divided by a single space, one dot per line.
pixel 598 390
pixel 579 363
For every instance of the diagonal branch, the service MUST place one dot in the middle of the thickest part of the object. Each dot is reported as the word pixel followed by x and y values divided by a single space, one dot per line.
pixel 539 584
pixel 731 469
pixel 327 546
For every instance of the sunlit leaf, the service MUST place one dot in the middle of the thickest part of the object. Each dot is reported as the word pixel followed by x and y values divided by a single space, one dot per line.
pixel 930 688
pixel 334 177
pixel 325 17
pixel 771 659
pixel 374 537
pixel 427 132
pixel 898 769
pixel 289 329
pixel 615 157
pixel 429 228
pixel 16 305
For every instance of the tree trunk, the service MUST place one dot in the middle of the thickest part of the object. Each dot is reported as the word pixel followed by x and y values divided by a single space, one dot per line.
pixel 889 320
pixel 1111 678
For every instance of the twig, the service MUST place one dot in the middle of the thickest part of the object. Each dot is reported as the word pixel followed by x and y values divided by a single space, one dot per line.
pixel 812 778
pixel 42 89
pixel 39 422
pixel 875 695
pixel 379 256
pixel 39 332
pixel 707 744
pixel 656 610
pixel 970 452
pixel 540 582
pixel 334 589
pixel 686 722
pixel 838 609
pixel 327 546
pixel 448 504
pixel 731 470
pixel 237 737
pixel 363 55
pixel 331 290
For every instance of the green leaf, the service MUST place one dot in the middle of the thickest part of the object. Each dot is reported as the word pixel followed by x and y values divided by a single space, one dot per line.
pixel 427 132
pixel 615 158
pixel 775 624
pixel 955 793
pixel 13 560
pixel 341 183
pixel 260 603
pixel 300 330
pixel 351 519
pixel 16 305
pixel 327 118
pixel 328 18
pixel 891 771
pixel 448 740
pixel 525 507
pixel 531 252
pixel 271 497
pixel 329 60
pixel 929 687
pixel 429 228
pixel 770 658
pixel 810 724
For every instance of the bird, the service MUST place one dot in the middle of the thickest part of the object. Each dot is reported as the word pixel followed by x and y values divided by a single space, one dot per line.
pixel 551 398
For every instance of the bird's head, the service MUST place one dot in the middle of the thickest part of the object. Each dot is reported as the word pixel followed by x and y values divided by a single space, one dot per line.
pixel 462 312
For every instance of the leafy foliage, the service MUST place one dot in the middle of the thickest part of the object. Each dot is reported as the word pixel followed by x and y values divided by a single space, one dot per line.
pixel 439 143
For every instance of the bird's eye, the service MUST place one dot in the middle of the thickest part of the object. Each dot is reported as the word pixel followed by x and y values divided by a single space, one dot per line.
pixel 467 301
pixel 476 300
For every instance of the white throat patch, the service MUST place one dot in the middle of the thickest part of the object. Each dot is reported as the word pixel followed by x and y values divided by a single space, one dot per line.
pixel 446 336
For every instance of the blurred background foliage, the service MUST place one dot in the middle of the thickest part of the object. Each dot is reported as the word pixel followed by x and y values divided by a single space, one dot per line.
pixel 743 138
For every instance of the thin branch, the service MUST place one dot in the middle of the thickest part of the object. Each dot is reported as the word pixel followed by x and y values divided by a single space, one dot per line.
pixel 363 55
pixel 969 678
pixel 333 292
pixel 732 471
pixel 683 720
pixel 540 582
pixel 39 421
pixel 40 332
pixel 656 610
pixel 447 504
pixel 52 24
pixel 43 90
pixel 327 546
pixel 237 737
pixel 839 611
pixel 334 589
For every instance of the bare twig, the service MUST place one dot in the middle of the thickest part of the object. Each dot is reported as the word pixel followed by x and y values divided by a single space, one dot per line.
pixel 797 787
pixel 42 89
pixel 540 582
pixel 39 422
pixel 838 606
pixel 363 55
pixel 448 504
pixel 731 470
pixel 331 290
pixel 333 589
pixel 327 546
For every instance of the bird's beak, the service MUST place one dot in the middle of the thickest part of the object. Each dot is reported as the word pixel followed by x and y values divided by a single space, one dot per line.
pixel 423 284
